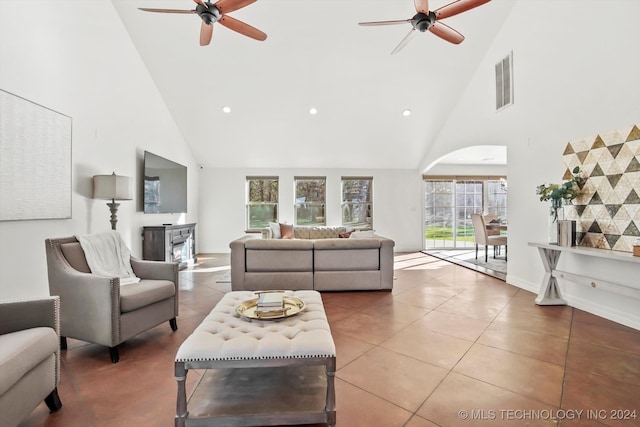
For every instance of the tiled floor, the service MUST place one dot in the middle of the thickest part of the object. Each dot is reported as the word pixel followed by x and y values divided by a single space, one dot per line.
pixel 448 347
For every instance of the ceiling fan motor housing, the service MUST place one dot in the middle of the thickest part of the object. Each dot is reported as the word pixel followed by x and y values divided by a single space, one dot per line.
pixel 422 22
pixel 209 14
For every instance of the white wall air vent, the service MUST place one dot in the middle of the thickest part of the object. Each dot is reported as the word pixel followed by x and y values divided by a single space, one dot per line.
pixel 504 82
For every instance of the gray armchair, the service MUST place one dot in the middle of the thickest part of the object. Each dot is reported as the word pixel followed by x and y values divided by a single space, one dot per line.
pixel 29 357
pixel 98 309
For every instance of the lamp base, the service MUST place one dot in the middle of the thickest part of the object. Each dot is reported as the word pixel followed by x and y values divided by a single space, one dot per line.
pixel 113 207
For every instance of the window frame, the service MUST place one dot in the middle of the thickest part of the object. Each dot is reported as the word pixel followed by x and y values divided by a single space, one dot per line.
pixel 363 206
pixel 311 205
pixel 249 205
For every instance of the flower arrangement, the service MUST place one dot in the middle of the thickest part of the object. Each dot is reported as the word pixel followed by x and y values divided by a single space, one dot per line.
pixel 557 193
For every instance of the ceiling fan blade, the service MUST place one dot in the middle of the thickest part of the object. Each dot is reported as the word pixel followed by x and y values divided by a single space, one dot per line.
pixel 206 32
pixel 227 6
pixel 242 28
pixel 146 9
pixel 371 24
pixel 457 7
pixel 422 6
pixel 404 41
pixel 446 32
pixel 200 2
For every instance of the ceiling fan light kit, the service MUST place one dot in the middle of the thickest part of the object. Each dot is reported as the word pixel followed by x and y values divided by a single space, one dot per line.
pixel 426 20
pixel 210 13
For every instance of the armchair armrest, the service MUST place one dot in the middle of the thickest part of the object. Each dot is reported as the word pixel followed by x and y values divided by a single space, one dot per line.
pixel 18 315
pixel 155 270
pixel 89 304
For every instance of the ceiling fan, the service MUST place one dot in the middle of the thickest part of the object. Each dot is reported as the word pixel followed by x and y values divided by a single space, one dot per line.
pixel 217 12
pixel 425 20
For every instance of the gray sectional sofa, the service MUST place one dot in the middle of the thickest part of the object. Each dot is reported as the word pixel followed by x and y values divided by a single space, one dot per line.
pixel 316 259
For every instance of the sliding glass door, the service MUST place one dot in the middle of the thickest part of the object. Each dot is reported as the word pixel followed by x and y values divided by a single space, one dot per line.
pixel 449 204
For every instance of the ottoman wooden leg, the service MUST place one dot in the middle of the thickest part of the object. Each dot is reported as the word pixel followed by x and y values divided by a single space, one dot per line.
pixel 181 406
pixel 331 393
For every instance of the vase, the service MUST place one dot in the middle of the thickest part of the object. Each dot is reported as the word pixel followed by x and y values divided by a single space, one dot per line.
pixel 556 213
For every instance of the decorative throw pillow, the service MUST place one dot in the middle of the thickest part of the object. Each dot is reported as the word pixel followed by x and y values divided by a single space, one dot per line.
pixel 275 230
pixel 363 234
pixel 345 235
pixel 286 231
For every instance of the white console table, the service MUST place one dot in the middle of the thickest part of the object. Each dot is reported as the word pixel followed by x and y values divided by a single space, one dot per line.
pixel 550 294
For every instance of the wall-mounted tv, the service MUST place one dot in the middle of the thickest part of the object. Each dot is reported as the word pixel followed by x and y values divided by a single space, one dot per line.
pixel 165 185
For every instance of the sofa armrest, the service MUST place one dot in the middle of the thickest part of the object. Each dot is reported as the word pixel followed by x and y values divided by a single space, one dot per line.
pixel 18 315
pixel 386 262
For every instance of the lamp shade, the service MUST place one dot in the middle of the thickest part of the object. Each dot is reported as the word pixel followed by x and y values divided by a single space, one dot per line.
pixel 112 187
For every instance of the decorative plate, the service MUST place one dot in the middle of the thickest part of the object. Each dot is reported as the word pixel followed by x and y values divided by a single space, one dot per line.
pixel 249 309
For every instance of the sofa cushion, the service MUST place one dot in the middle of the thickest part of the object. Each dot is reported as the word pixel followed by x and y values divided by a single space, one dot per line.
pixel 144 293
pixel 352 260
pixel 75 256
pixel 363 234
pixel 325 232
pixel 21 351
pixel 277 260
pixel 286 231
pixel 279 245
pixel 275 230
pixel 301 232
pixel 345 244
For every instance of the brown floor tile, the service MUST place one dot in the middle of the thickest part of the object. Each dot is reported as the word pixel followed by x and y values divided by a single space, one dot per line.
pixel 419 342
pixel 399 379
pixel 547 322
pixel 612 338
pixel 348 349
pixel 358 408
pixel 453 325
pixel 485 309
pixel 464 401
pixel 368 328
pixel 529 377
pixel 526 343
pixel 618 365
pixel 602 399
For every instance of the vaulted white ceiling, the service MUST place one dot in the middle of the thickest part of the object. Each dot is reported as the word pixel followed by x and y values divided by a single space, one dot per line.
pixel 316 55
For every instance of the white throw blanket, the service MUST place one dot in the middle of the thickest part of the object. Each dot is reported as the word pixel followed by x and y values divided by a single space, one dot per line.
pixel 108 256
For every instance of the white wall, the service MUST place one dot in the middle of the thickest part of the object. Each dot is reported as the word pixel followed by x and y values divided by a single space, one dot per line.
pixel 76 58
pixel 397 196
pixel 576 72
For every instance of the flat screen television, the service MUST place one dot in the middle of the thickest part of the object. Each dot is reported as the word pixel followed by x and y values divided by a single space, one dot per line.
pixel 165 185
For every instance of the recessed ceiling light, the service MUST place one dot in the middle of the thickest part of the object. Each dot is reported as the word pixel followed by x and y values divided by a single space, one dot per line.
pixel 406 112
pixel 226 109
pixel 313 111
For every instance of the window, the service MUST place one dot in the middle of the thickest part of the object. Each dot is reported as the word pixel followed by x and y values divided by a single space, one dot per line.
pixel 357 211
pixel 310 200
pixel 496 203
pixel 262 201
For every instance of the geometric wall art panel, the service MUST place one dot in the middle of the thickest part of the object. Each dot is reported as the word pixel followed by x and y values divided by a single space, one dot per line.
pixel 607 211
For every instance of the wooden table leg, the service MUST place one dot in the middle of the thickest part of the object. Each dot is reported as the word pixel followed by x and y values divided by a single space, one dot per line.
pixel 549 293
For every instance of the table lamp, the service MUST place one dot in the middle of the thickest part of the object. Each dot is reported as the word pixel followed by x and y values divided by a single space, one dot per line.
pixel 112 187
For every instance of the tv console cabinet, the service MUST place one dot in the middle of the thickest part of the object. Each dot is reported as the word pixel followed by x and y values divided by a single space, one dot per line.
pixel 172 243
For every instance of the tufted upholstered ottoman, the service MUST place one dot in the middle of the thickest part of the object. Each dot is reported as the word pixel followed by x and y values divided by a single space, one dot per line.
pixel 259 372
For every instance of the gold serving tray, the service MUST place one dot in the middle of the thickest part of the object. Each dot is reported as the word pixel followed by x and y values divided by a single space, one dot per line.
pixel 249 309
